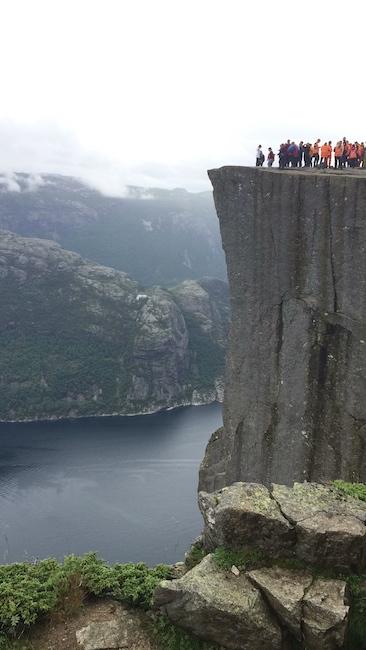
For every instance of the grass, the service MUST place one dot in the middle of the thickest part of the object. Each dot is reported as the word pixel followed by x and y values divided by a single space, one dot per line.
pixel 243 560
pixel 194 556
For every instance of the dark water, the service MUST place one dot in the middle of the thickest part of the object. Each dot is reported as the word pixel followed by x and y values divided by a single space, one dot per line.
pixel 125 487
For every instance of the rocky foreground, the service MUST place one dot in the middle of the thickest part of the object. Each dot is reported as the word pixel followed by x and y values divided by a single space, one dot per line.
pixel 79 339
pixel 303 541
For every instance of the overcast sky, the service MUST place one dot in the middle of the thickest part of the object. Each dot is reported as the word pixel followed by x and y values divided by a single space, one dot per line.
pixel 153 92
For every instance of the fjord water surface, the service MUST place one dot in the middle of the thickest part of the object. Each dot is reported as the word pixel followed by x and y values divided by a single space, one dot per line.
pixel 123 486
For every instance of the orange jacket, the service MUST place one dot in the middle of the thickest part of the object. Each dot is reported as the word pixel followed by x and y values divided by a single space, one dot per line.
pixel 326 151
pixel 353 153
pixel 315 148
pixel 338 151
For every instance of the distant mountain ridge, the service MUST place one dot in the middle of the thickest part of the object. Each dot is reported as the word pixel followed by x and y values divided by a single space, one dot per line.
pixel 81 339
pixel 156 236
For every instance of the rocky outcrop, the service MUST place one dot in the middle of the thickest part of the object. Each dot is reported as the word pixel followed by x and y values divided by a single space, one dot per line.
pixel 80 339
pixel 220 607
pixel 278 593
pixel 117 628
pixel 265 609
pixel 314 523
pixel 294 406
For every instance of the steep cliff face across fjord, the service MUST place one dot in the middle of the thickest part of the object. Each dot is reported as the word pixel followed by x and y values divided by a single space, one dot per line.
pixel 80 339
pixel 295 401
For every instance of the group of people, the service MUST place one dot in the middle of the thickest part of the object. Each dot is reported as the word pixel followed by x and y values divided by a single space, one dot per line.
pixel 343 154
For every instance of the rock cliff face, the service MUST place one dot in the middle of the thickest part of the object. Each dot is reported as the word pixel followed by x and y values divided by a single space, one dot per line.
pixel 79 339
pixel 294 408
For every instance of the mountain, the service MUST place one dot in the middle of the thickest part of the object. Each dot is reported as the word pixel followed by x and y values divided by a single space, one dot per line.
pixel 81 339
pixel 156 236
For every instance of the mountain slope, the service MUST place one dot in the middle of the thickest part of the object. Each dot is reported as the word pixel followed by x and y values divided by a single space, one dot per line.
pixel 156 236
pixel 83 339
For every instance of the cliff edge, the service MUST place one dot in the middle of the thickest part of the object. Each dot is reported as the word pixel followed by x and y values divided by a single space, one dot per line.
pixel 294 406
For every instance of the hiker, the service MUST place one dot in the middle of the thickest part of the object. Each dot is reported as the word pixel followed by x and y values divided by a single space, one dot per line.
pixel 282 156
pixel 270 157
pixel 301 153
pixel 260 157
pixel 315 152
pixel 338 155
pixel 293 152
pixel 307 154
pixel 352 156
pixel 326 152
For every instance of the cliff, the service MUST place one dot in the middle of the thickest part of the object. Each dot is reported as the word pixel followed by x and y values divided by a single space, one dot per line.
pixel 294 406
pixel 79 339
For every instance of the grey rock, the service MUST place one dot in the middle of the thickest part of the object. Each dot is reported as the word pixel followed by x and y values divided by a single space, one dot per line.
pixel 220 607
pixel 330 527
pixel 106 635
pixel 244 515
pixel 294 406
pixel 325 615
pixel 114 626
pixel 334 541
pixel 285 591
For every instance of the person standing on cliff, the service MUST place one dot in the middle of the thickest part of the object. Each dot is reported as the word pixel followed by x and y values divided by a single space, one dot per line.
pixel 270 157
pixel 260 157
pixel 316 147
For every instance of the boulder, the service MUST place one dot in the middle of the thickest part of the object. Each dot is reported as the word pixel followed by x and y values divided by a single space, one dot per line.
pixel 115 626
pixel 330 527
pixel 245 515
pixel 218 606
pixel 102 635
pixel 325 615
pixel 284 590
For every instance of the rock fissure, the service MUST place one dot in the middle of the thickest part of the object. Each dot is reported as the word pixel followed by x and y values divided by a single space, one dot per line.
pixel 331 256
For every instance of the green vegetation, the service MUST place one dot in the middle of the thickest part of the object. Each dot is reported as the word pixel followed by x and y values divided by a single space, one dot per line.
pixel 356 490
pixel 194 556
pixel 170 637
pixel 356 637
pixel 243 560
pixel 29 591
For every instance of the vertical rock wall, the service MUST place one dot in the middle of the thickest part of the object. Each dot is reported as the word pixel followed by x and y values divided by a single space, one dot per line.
pixel 295 402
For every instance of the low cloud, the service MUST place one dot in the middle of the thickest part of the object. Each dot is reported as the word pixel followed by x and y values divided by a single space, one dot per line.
pixel 38 149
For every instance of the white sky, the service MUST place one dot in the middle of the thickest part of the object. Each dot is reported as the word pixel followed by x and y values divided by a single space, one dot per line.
pixel 153 92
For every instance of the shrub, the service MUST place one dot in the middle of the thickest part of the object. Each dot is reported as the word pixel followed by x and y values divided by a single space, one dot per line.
pixel 28 591
pixel 194 556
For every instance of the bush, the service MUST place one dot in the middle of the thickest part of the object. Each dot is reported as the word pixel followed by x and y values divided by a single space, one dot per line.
pixel 28 591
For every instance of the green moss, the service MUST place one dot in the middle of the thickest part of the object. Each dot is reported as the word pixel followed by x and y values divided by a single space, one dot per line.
pixel 194 557
pixel 171 637
pixel 356 490
pixel 243 560
pixel 356 633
